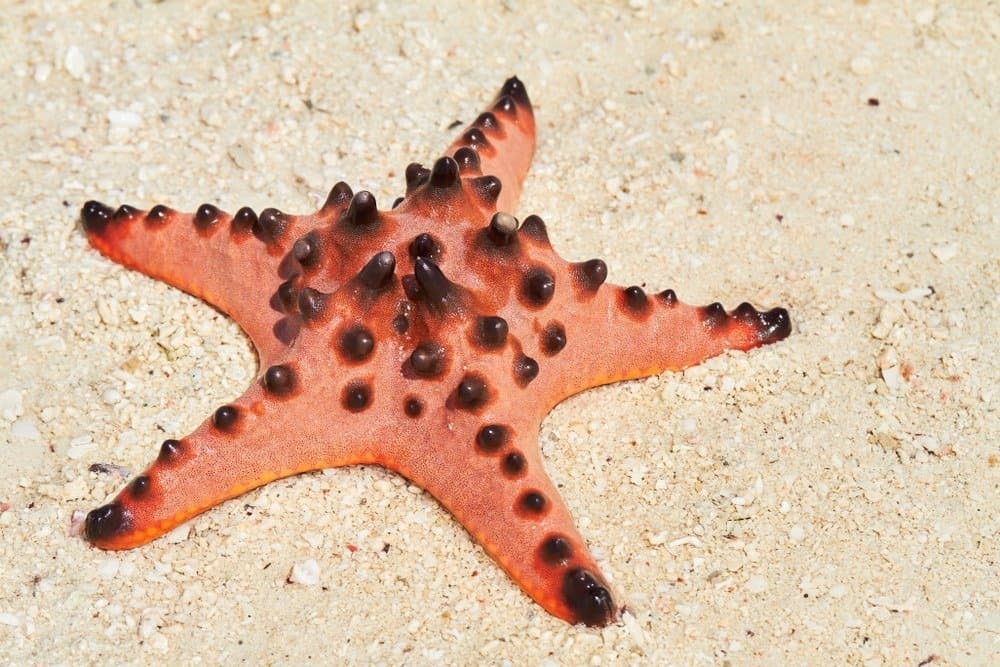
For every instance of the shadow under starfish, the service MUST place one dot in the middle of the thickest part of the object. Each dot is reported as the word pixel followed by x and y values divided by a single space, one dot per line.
pixel 431 339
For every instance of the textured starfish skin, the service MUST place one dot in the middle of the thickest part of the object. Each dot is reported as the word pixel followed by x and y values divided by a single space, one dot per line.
pixel 431 339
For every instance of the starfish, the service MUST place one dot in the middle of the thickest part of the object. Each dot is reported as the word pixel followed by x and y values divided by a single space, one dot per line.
pixel 431 339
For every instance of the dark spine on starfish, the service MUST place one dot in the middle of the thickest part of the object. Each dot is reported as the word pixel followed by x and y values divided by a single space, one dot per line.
pixel 107 521
pixel 475 138
pixel 512 96
pixel 340 195
pixel 159 215
pixel 271 226
pixel 424 245
pixel 525 370
pixel 490 332
pixel 243 222
pixel 538 286
pixel 416 175
pixel 280 380
pixel 713 316
pixel 769 326
pixel 668 297
pixel 357 396
pixel 589 601
pixel 513 88
pixel 226 418
pixel 428 359
pixel 207 218
pixel 440 294
pixel 531 504
pixel 139 487
pixel 356 343
pixel 95 217
pixel 492 438
pixel 170 451
pixel 285 298
pixel 487 189
pixel 375 277
pixel 307 251
pixel 590 275
pixel 362 214
pixel 534 228
pixel 413 407
pixel 444 173
pixel 468 161
pixel 312 304
pixel 125 213
pixel 472 392
pixel 487 121
pixel 555 550
pixel 553 338
pixel 635 303
pixel 514 465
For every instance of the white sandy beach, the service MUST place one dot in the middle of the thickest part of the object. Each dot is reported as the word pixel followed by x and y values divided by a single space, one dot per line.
pixel 831 499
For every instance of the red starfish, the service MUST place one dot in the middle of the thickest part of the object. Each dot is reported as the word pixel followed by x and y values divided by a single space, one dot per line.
pixel 430 339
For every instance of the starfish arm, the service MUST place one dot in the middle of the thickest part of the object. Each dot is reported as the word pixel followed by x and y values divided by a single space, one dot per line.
pixel 499 144
pixel 492 481
pixel 267 434
pixel 210 254
pixel 620 333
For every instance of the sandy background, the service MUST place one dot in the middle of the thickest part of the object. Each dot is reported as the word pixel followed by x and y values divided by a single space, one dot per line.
pixel 832 499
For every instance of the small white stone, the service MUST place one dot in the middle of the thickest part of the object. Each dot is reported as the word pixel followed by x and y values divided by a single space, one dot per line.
pixel 42 71
pixel 756 584
pixel 634 630
pixel 25 428
pixel 362 20
pixel 908 100
pixel 80 447
pixel 159 642
pixel 178 534
pixel 912 294
pixel 305 573
pixel 796 533
pixel 11 404
pixel 124 119
pixel 210 115
pixel 887 318
pixel 732 163
pixel 946 252
pixel 862 65
pixel 107 568
pixel 847 220
pixel 74 62
pixel 315 540
pixel 893 379
pixel 657 539
pixel 837 591
pixel 9 619
pixel 925 16
pixel 684 541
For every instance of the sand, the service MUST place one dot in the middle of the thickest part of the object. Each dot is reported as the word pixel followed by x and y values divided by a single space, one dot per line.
pixel 832 499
